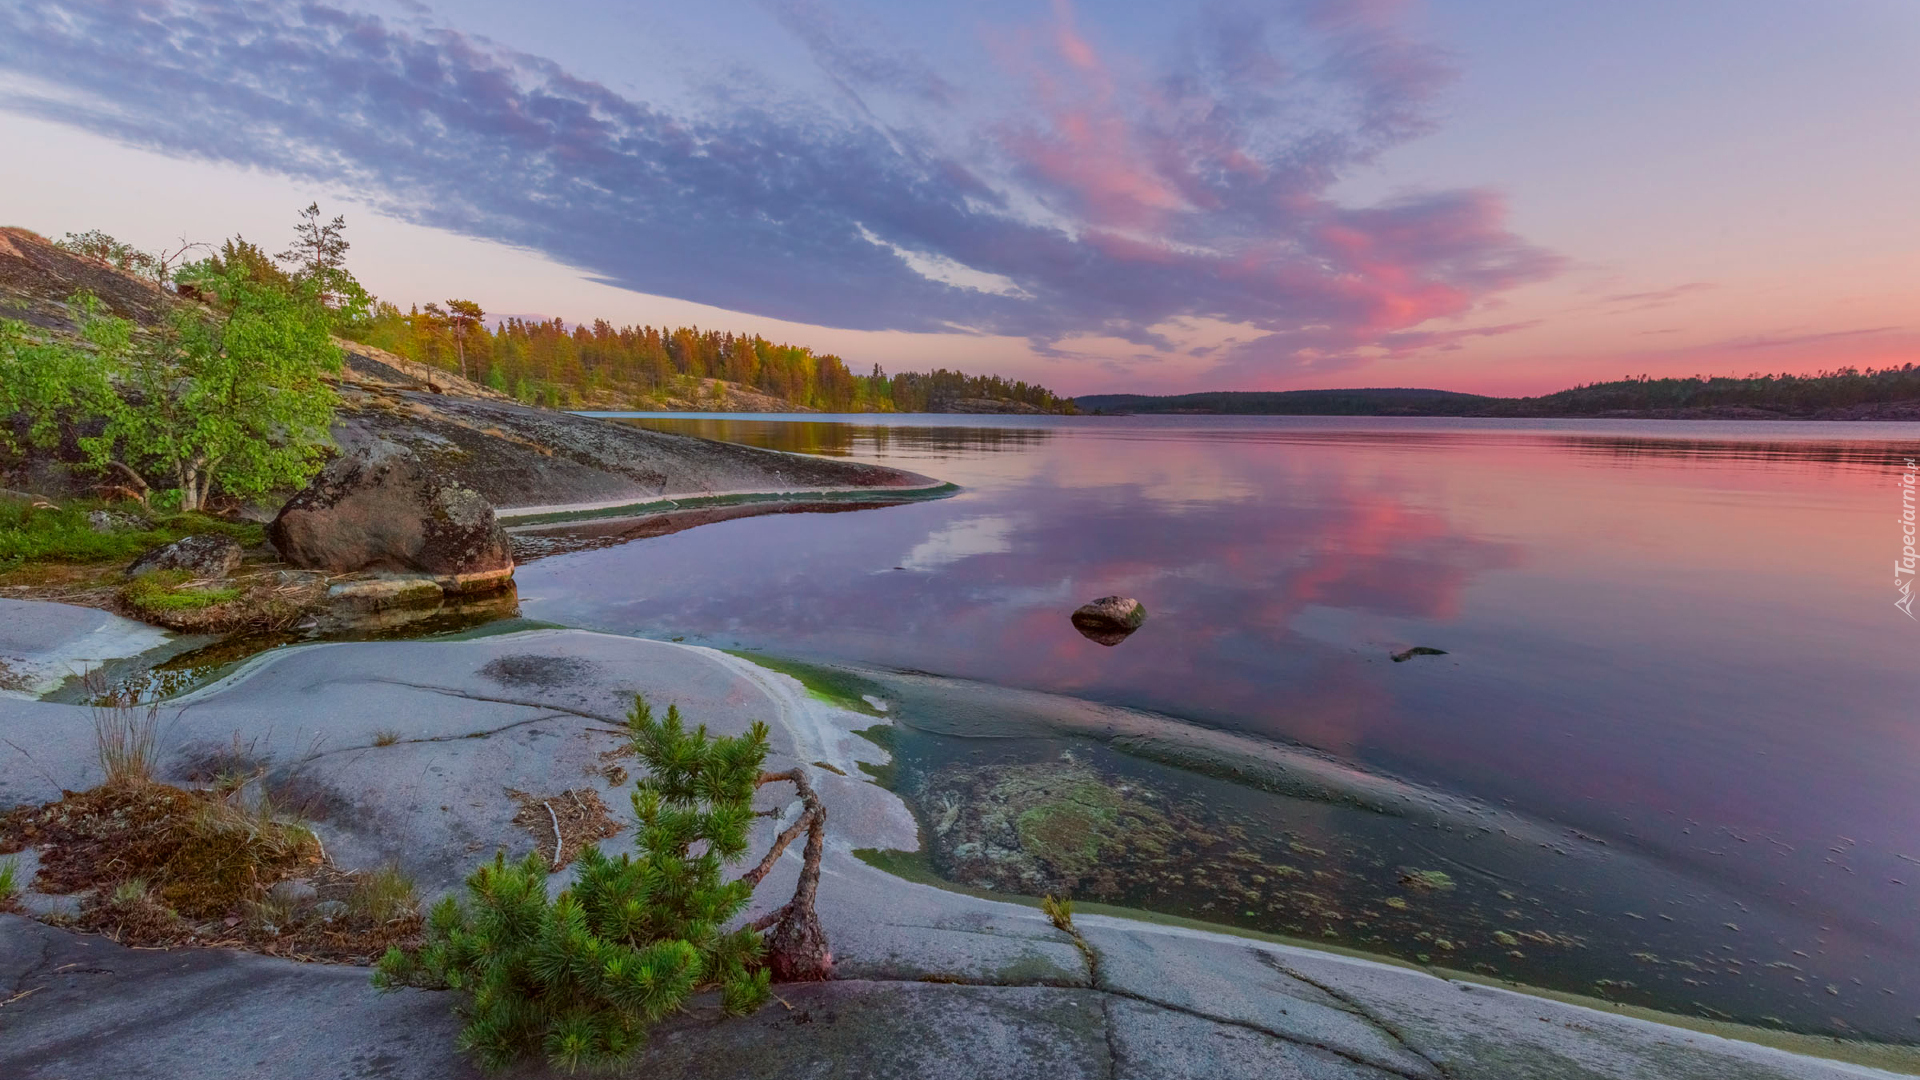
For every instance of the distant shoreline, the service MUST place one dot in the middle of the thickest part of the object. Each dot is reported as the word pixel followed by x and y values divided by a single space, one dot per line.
pixel 1893 395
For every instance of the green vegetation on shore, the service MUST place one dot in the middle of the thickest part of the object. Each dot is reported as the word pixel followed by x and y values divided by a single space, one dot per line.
pixel 68 533
pixel 221 399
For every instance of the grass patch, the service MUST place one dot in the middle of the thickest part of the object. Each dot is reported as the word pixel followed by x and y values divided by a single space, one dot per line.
pixel 43 533
pixel 9 883
pixel 256 602
pixel 831 685
pixel 174 590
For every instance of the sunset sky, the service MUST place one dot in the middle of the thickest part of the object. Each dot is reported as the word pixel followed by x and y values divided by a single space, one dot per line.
pixel 1499 196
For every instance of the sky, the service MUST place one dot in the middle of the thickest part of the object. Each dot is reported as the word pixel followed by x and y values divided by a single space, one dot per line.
pixel 1497 196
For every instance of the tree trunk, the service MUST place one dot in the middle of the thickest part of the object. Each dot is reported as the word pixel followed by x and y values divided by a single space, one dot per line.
pixel 192 483
pixel 796 945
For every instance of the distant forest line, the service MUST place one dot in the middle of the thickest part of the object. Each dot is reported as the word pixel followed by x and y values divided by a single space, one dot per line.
pixel 598 364
pixel 1891 393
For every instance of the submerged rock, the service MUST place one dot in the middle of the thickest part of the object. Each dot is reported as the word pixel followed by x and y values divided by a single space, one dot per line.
pixel 1109 619
pixel 1405 655
pixel 202 555
pixel 389 510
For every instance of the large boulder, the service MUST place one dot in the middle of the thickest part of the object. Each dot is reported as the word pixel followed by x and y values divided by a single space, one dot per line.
pixel 202 555
pixel 1109 619
pixel 389 510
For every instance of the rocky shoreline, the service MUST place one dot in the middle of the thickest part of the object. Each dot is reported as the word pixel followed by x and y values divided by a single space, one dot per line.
pixel 406 752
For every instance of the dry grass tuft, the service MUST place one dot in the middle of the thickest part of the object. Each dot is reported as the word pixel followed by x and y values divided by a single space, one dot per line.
pixel 386 737
pixel 160 866
pixel 124 734
pixel 199 853
pixel 383 896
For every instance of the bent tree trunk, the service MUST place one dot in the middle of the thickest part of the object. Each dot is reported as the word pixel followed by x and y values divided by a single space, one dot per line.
pixel 796 945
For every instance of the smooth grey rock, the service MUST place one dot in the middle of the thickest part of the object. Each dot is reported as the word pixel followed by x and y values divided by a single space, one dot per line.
pixel 202 555
pixel 92 1008
pixel 1470 1029
pixel 893 1031
pixel 42 644
pixel 1235 982
pixel 1152 1043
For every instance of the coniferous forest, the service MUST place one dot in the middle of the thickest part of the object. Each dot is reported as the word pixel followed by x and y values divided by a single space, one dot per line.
pixel 641 367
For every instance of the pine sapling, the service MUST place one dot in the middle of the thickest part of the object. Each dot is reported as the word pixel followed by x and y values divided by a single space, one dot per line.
pixel 581 978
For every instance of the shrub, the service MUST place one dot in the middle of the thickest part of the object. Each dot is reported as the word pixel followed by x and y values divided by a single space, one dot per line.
pixel 582 977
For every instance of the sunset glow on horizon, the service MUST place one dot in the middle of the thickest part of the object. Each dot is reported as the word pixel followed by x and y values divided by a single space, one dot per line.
pixel 1472 195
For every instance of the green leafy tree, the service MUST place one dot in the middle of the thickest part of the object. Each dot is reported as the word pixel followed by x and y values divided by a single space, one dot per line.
pixel 235 403
pixel 48 388
pixel 581 978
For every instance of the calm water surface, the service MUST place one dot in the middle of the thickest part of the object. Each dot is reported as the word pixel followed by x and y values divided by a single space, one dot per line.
pixel 1676 640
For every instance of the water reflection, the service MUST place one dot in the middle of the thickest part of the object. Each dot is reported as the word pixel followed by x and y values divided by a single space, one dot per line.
pixel 1690 654
pixel 833 439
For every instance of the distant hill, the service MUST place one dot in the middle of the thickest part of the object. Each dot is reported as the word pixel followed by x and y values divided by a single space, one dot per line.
pixel 1891 393
pixel 1396 401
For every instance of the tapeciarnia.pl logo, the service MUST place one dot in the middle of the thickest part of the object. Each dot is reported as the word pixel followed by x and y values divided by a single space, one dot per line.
pixel 1905 563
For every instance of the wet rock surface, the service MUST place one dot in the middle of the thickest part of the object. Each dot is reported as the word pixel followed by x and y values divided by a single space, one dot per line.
pixel 406 751
pixel 205 556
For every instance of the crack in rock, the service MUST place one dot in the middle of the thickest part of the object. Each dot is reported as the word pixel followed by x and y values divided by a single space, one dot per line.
pixel 1358 1009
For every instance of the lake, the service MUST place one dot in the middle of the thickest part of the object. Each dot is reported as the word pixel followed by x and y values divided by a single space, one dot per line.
pixel 1669 649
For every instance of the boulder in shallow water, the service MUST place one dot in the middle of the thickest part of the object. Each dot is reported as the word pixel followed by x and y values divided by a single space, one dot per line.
pixel 1109 619
pixel 202 555
pixel 390 510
